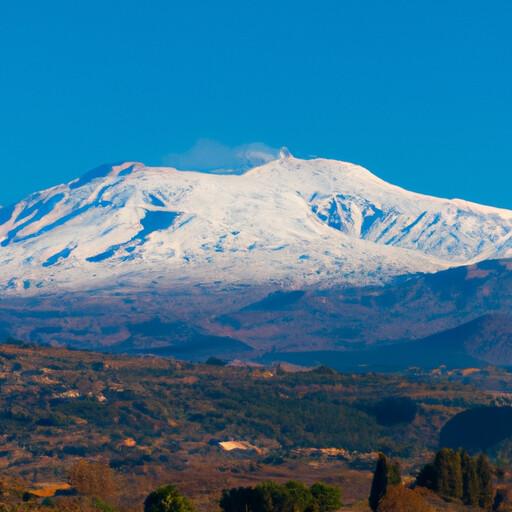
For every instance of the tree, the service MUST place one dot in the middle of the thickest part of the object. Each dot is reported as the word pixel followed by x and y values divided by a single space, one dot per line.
pixel 448 473
pixel 327 498
pixel 167 499
pixel 379 482
pixel 94 479
pixel 484 475
pixel 298 497
pixel 395 410
pixel 456 482
pixel 457 475
pixel 273 497
pixel 394 476
pixel 470 484
pixel 215 361
pixel 427 477
pixel 400 499
pixel 385 474
pixel 502 501
pixel 238 499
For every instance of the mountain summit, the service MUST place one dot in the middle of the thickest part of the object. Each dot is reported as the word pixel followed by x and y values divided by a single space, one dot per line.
pixel 289 222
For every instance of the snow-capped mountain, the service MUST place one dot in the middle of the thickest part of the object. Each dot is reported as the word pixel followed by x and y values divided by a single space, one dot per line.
pixel 289 222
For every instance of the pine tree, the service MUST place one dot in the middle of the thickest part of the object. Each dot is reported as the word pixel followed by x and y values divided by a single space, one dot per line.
pixel 456 481
pixel 470 485
pixel 484 474
pixel 442 469
pixel 386 474
pixel 379 482
pixel 448 473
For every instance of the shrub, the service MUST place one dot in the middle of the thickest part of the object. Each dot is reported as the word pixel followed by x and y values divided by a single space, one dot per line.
pixel 215 361
pixel 395 410
pixel 167 499
pixel 94 479
pixel 273 497
pixel 400 499
pixel 326 497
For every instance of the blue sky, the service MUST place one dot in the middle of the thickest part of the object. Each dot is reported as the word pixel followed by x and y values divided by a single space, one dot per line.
pixel 418 91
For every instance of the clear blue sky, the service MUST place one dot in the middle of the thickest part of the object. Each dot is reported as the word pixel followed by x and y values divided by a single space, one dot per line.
pixel 419 91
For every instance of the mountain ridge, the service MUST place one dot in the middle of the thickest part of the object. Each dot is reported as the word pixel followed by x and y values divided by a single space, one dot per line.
pixel 224 322
pixel 287 223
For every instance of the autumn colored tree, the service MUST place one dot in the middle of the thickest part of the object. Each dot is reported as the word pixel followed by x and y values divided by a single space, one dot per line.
pixel 94 479
pixel 401 499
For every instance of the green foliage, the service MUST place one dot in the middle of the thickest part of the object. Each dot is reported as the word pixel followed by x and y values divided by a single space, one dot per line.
pixel 167 499
pixel 240 499
pixel 395 410
pixel 449 473
pixel 386 474
pixel 298 496
pixel 484 475
pixel 458 475
pixel 47 502
pixel 86 404
pixel 27 496
pixel 478 429
pixel 273 497
pixel 427 477
pixel 470 484
pixel 215 361
pixel 103 506
pixel 326 497
pixel 394 476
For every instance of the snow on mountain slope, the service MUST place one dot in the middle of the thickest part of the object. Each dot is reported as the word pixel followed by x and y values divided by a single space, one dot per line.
pixel 288 222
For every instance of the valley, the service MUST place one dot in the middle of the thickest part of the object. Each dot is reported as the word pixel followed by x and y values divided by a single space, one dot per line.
pixel 157 420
